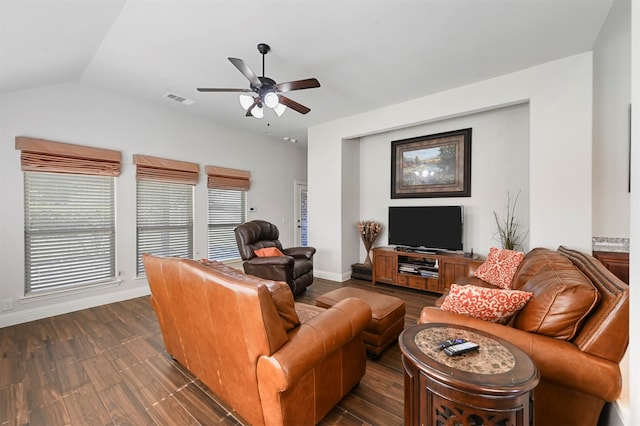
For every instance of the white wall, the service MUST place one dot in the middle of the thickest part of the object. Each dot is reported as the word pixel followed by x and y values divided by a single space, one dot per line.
pixel 80 114
pixel 634 273
pixel 560 113
pixel 611 100
pixel 500 164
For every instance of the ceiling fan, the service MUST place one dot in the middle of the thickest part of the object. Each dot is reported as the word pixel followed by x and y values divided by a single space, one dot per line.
pixel 267 91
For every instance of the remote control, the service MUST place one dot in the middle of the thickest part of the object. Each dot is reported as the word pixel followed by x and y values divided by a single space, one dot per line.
pixel 461 348
pixel 446 343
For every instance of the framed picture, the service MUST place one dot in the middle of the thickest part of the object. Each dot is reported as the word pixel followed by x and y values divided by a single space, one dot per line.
pixel 432 166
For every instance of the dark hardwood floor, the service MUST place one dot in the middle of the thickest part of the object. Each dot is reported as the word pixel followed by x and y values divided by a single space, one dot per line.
pixel 107 366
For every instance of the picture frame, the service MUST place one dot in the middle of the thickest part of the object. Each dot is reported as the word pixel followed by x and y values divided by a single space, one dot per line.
pixel 437 165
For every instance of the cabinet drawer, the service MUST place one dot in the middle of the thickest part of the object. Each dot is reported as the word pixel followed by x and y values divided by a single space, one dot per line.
pixel 417 282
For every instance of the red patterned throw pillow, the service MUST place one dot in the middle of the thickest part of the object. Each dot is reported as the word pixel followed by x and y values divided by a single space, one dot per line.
pixel 489 304
pixel 500 267
pixel 268 252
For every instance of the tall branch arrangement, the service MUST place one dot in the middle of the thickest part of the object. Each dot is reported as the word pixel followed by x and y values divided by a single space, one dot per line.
pixel 508 227
pixel 369 230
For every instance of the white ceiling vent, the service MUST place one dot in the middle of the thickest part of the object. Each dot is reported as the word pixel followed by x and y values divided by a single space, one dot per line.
pixel 178 98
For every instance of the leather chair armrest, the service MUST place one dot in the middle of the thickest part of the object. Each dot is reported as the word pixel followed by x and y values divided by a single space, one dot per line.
pixel 559 361
pixel 271 260
pixel 312 342
pixel 300 252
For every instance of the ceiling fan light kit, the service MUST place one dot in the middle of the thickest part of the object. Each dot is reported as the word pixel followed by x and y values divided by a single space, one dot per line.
pixel 266 89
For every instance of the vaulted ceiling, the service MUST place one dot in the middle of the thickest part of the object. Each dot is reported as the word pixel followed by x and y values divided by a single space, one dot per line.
pixel 366 54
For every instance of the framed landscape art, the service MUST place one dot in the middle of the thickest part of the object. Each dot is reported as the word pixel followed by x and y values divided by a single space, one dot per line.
pixel 437 165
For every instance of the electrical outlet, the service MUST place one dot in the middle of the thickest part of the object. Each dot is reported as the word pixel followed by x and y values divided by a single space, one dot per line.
pixel 7 304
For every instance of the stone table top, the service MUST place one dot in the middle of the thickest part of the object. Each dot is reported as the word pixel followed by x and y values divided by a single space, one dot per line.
pixel 490 358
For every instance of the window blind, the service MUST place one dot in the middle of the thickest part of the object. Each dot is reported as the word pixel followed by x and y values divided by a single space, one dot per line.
pixel 166 170
pixel 69 230
pixel 225 178
pixel 164 212
pixel 40 155
pixel 226 210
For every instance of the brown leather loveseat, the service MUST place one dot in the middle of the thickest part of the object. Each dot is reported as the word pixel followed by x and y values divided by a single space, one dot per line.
pixel 575 328
pixel 242 337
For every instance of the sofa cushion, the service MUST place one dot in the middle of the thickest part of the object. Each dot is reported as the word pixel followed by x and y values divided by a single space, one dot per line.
pixel 489 304
pixel 268 252
pixel 280 292
pixel 537 260
pixel 500 267
pixel 562 298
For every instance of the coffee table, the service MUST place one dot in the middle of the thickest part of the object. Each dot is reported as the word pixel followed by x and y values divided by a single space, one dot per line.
pixel 491 386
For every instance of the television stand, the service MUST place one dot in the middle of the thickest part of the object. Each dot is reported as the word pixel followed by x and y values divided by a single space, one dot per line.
pixel 421 270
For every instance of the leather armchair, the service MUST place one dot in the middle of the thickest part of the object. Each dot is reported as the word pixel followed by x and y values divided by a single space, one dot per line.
pixel 295 267
pixel 267 359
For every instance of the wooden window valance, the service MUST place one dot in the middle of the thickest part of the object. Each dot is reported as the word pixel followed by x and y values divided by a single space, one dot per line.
pixel 165 170
pixel 225 178
pixel 39 155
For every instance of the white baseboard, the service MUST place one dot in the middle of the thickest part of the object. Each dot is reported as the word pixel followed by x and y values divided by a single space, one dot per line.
pixel 25 315
pixel 332 276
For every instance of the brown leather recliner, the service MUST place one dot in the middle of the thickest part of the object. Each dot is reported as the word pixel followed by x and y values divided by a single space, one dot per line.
pixel 268 360
pixel 579 373
pixel 295 267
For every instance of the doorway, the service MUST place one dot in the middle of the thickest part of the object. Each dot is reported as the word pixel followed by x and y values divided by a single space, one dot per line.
pixel 301 214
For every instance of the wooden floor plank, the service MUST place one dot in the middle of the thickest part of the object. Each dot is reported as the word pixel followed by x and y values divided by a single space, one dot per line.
pixel 85 407
pixel 108 366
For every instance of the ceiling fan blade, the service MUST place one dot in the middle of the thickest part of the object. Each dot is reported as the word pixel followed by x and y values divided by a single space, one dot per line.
pixel 209 89
pixel 309 83
pixel 246 71
pixel 294 105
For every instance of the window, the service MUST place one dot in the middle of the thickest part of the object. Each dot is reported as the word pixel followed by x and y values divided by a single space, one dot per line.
pixel 69 214
pixel 227 209
pixel 69 230
pixel 164 214
pixel 164 207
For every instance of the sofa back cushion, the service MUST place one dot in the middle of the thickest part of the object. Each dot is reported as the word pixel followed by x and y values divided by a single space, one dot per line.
pixel 605 332
pixel 280 293
pixel 536 260
pixel 562 298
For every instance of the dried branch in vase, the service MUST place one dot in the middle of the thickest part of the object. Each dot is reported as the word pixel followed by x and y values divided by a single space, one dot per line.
pixel 369 230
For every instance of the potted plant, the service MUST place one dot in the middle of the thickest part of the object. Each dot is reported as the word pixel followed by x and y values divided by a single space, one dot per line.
pixel 509 232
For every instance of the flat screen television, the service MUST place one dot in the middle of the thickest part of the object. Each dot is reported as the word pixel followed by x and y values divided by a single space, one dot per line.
pixel 428 228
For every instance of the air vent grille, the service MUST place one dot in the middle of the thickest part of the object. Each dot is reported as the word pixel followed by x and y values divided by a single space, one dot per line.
pixel 178 98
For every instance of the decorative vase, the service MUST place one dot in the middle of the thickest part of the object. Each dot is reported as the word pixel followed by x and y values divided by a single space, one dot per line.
pixel 367 247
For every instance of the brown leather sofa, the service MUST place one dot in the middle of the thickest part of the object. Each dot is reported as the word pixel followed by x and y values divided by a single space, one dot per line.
pixel 580 370
pixel 269 360
pixel 295 267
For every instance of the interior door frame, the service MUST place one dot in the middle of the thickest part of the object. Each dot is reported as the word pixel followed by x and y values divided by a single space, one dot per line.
pixel 299 188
